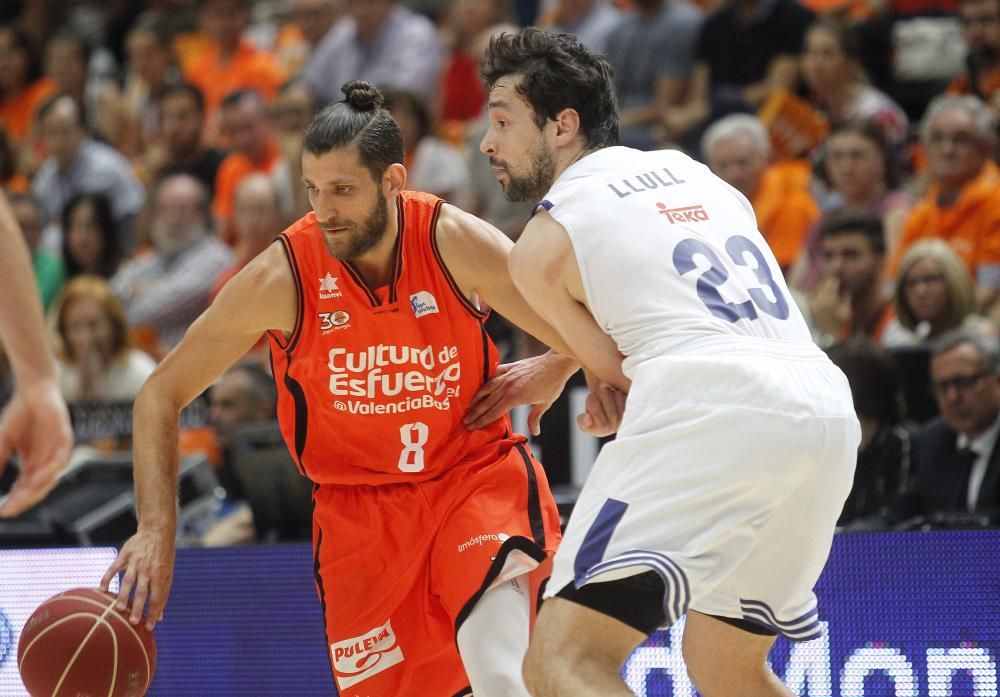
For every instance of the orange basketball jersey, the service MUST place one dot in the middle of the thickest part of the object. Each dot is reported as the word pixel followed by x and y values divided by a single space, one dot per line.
pixel 373 382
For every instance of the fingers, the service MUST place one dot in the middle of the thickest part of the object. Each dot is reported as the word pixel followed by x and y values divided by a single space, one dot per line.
pixel 29 489
pixel 139 599
pixel 535 418
pixel 112 571
pixel 603 413
pixel 157 599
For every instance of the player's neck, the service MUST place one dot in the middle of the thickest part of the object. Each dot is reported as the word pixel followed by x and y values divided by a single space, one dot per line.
pixel 566 160
pixel 375 265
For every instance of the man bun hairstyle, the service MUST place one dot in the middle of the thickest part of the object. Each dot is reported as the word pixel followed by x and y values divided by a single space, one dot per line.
pixel 361 121
pixel 557 72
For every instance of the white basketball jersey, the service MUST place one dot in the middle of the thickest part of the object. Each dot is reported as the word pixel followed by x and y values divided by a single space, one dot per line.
pixel 670 255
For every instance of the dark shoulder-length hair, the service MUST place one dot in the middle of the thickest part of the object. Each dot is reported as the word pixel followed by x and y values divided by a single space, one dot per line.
pixel 111 250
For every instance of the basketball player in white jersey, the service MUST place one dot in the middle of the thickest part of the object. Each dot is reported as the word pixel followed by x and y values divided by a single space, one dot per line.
pixel 736 450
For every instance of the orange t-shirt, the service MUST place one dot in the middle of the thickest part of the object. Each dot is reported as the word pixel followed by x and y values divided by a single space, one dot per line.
pixel 986 84
pixel 785 209
pixel 16 112
pixel 248 68
pixel 971 225
pixel 233 168
pixel 373 382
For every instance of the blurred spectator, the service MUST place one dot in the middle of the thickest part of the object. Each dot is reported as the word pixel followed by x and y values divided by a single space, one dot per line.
pixel 884 453
pixel 747 51
pixel 67 58
pixel 934 295
pixel 461 94
pixel 180 145
pixel 230 63
pixel 831 66
pixel 10 178
pixel 737 149
pixel 257 221
pixel 432 165
pixel 22 88
pixel 851 299
pixel 652 53
pixel 165 290
pixel 309 21
pixel 590 20
pixel 254 148
pixel 956 461
pixel 962 206
pixel 379 41
pixel 981 28
pixel 48 266
pixel 292 111
pixel 91 241
pixel 98 361
pixel 81 164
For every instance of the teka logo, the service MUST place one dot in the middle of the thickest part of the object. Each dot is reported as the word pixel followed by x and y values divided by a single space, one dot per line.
pixel 688 214
pixel 328 287
pixel 333 320
pixel 423 303
pixel 6 638
pixel 361 657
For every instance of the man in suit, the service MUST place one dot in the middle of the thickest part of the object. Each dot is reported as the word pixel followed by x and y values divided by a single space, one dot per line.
pixel 956 457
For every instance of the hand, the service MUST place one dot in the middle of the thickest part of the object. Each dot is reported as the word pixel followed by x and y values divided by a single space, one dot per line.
pixel 536 381
pixel 831 309
pixel 604 410
pixel 36 426
pixel 148 561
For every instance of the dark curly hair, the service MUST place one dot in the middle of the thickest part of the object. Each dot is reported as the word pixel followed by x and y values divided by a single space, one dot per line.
pixel 557 72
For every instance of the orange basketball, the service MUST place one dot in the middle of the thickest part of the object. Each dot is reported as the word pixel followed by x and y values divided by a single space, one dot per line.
pixel 76 643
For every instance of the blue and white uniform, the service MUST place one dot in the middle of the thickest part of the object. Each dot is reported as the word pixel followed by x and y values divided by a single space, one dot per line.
pixel 738 444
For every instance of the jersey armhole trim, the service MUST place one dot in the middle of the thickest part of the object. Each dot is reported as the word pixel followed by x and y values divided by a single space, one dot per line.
pixel 466 303
pixel 289 345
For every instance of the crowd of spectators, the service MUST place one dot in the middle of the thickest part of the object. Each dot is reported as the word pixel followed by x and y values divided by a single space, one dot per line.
pixel 150 149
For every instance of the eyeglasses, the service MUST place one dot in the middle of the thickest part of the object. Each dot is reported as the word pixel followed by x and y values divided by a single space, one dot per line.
pixel 961 383
pixel 928 280
pixel 963 139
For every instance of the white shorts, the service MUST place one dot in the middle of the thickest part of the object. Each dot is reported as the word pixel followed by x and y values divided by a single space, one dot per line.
pixel 727 478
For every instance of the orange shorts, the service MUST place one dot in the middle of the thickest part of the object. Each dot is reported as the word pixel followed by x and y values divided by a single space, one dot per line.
pixel 400 566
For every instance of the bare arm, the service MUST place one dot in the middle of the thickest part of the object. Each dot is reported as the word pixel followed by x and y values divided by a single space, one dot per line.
pixel 259 298
pixel 694 109
pixel 781 74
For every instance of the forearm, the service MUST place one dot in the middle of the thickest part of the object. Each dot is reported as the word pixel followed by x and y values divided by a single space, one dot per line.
pixel 155 434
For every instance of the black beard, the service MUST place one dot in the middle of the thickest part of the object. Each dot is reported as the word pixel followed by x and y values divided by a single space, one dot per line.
pixel 537 182
pixel 985 55
pixel 370 233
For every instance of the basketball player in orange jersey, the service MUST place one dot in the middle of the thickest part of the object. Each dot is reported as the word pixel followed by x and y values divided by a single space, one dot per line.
pixel 35 423
pixel 429 538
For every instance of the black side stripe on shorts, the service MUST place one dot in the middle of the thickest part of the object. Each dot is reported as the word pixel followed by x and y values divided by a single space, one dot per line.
pixel 534 499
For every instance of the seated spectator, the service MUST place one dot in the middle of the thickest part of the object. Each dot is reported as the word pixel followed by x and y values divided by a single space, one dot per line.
pixel 746 52
pixel 737 149
pixel 884 453
pixel 256 220
pixel 247 126
pixel 381 42
pixel 22 88
pixel 432 165
pixel 851 299
pixel 80 164
pixel 981 29
pixel 49 274
pixel 590 20
pixel 962 207
pixel 165 290
pixel 934 295
pixel 91 241
pixel 230 63
pixel 98 362
pixel 292 112
pixel 10 178
pixel 309 21
pixel 956 461
pixel 831 66
pixel 651 51
pixel 179 145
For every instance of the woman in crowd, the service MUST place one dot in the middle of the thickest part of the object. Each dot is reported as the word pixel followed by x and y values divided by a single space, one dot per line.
pixel 91 244
pixel 22 89
pixel 97 362
pixel 934 294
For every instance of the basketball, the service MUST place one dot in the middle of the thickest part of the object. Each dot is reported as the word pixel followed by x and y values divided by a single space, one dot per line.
pixel 76 643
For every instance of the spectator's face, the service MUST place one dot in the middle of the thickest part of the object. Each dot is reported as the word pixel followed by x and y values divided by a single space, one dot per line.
pixel 409 128
pixel 854 165
pixel 981 28
pixel 146 57
pixel 232 404
pixel 955 150
pixel 62 132
pixel 967 395
pixel 65 63
pixel 351 208
pixel 223 20
pixel 473 16
pixel 368 15
pixel 255 209
pixel 518 150
pixel 824 64
pixel 83 238
pixel 88 329
pixel 850 258
pixel 293 110
pixel 180 124
pixel 738 161
pixel 178 216
pixel 29 219
pixel 13 62
pixel 315 17
pixel 246 127
pixel 926 290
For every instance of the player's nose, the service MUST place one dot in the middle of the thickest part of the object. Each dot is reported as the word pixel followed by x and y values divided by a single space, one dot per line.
pixel 486 144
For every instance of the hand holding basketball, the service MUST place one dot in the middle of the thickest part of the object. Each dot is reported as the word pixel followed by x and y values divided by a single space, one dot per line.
pixel 147 559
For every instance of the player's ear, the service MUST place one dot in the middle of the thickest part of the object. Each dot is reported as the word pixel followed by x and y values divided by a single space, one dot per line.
pixel 567 126
pixel 393 179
